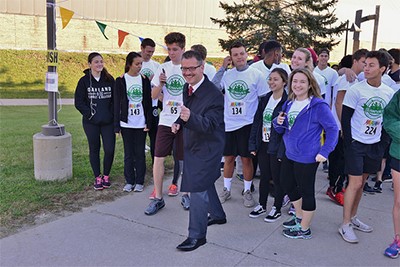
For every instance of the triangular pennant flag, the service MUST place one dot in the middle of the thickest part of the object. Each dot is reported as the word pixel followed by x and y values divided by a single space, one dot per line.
pixel 121 37
pixel 66 16
pixel 102 28
pixel 141 39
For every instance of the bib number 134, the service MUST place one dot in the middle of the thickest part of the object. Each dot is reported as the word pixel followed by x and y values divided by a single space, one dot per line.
pixel 237 111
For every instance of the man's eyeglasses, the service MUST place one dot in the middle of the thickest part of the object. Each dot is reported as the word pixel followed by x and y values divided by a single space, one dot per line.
pixel 191 69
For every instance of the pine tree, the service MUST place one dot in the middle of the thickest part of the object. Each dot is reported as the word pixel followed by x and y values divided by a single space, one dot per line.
pixel 294 23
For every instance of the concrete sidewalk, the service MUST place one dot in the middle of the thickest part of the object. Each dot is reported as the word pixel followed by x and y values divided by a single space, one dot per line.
pixel 118 233
pixel 33 102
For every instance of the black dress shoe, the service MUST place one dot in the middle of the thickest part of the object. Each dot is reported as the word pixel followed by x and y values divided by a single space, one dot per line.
pixel 212 221
pixel 191 244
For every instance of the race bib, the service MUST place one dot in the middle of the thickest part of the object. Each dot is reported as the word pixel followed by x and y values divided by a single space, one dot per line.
pixel 266 132
pixel 134 109
pixel 237 109
pixel 173 108
pixel 371 127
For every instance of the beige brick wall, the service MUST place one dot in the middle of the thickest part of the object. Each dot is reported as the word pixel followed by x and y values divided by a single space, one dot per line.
pixel 30 32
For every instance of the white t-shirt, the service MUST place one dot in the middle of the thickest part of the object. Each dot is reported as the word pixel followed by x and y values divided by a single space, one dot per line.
pixel 386 79
pixel 330 76
pixel 321 82
pixel 134 91
pixel 267 118
pixel 368 103
pixel 295 109
pixel 341 84
pixel 172 92
pixel 266 72
pixel 242 89
pixel 148 69
pixel 209 70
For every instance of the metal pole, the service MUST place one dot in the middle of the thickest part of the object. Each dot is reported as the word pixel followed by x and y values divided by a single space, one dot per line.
pixel 53 128
pixel 356 34
pixel 347 36
pixel 376 22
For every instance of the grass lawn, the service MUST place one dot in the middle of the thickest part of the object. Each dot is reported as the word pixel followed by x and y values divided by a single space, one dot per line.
pixel 22 72
pixel 23 199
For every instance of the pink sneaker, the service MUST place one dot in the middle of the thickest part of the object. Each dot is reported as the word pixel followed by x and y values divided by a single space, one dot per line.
pixel 98 183
pixel 153 194
pixel 106 181
pixel 173 190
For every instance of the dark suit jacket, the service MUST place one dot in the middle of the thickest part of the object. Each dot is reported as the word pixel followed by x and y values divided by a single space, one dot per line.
pixel 203 137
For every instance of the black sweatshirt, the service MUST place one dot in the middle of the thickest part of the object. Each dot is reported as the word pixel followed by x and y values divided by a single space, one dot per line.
pixel 94 99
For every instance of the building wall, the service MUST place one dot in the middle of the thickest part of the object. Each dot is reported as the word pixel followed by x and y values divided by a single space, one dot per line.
pixel 24 24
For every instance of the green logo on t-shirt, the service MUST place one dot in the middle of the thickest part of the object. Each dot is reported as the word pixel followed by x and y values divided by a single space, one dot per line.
pixel 238 90
pixel 175 84
pixel 135 93
pixel 147 72
pixel 267 116
pixel 292 117
pixel 373 108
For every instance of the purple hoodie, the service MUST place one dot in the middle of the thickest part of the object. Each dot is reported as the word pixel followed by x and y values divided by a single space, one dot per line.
pixel 303 140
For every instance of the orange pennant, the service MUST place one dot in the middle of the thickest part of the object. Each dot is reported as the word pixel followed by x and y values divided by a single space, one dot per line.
pixel 121 37
pixel 66 16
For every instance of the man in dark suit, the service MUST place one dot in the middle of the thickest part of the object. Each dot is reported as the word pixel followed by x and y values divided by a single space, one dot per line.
pixel 202 119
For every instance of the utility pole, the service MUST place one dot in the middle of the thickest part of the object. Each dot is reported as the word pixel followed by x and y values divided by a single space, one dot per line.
pixel 52 148
pixel 53 128
pixel 358 20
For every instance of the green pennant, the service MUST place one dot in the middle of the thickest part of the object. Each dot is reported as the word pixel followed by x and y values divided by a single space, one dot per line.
pixel 102 28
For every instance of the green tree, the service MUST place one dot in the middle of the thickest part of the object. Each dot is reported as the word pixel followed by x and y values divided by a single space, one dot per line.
pixel 294 23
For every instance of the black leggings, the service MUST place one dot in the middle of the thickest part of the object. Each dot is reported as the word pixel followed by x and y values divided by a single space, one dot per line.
pixel 93 133
pixel 134 155
pixel 336 166
pixel 298 180
pixel 269 170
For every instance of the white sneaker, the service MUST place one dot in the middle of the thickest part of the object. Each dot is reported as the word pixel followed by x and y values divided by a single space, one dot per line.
pixel 285 201
pixel 128 188
pixel 360 226
pixel 138 188
pixel 248 200
pixel 224 195
pixel 347 232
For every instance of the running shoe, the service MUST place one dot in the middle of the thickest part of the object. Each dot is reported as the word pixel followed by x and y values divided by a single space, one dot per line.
pixel 106 181
pixel 360 226
pixel 98 183
pixel 297 233
pixel 224 195
pixel 257 212
pixel 347 233
pixel 273 215
pixel 173 190
pixel 393 250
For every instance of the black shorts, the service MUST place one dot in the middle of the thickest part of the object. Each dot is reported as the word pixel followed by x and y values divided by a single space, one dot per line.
pixel 395 164
pixel 165 141
pixel 237 142
pixel 363 158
